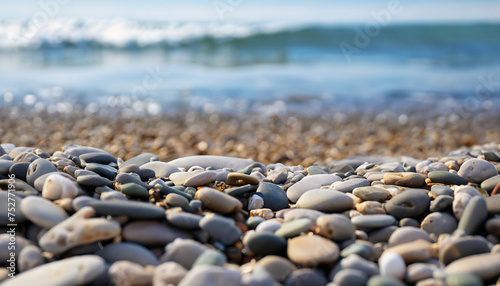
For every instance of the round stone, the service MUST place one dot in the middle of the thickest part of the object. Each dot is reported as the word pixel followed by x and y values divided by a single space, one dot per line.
pixel 270 225
pixel 493 226
pixel 392 265
pixel 415 251
pixel 485 266
pixel 355 261
pixel 493 204
pixel 462 247
pixel 98 157
pixel 325 200
pixel 410 203
pixel 462 279
pixel 407 234
pixel 438 223
pixel 447 178
pixel 312 250
pixel 336 227
pixel 127 251
pixel 373 221
pixel 371 193
pixel 183 251
pixel 350 277
pixel 42 211
pixel 419 271
pixel 78 270
pixel 477 170
pixel 218 201
pixel 441 204
pixel 176 200
pixel 253 221
pixel 274 197
pixel 37 168
pixel 210 257
pixel 264 243
pixel 279 267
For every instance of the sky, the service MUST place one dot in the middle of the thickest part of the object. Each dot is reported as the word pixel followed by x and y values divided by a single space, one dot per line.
pixel 338 11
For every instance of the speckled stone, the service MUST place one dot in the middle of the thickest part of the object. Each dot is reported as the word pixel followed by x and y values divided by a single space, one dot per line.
pixel 412 180
pixel 312 250
pixel 325 200
pixel 477 170
pixel 438 223
pixel 372 194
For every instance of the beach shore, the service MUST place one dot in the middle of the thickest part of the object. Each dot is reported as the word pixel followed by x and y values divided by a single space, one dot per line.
pixel 288 139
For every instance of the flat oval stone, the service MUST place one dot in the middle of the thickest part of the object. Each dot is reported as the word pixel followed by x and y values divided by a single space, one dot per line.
pixel 294 228
pixel 5 166
pixel 447 178
pixel 103 170
pixel 355 261
pixel 477 170
pixel 336 227
pixel 42 212
pixel 168 273
pixel 211 275
pixel 382 234
pixel 134 191
pixel 239 179
pixel 462 279
pixel 325 200
pixel 254 221
pixel 310 183
pixel 37 168
pixel 348 186
pixel 274 196
pixel 98 157
pixel 493 204
pixel 93 181
pixel 412 180
pixel 9 202
pixel 127 251
pixel 270 225
pixel 462 247
pixel 489 184
pixel 140 160
pixel 129 273
pixel 161 169
pixel 193 179
pixel 19 169
pixel 312 250
pixel 440 190
pixel 373 221
pixel 130 209
pixel 409 203
pixel 211 257
pixel 218 201
pixel 30 257
pixel 221 228
pixel 184 220
pixel 474 215
pixel 415 251
pixel 485 266
pixel 379 280
pixel 125 178
pixel 151 233
pixel 348 277
pixel 441 204
pixel 419 271
pixel 439 223
pixel 372 194
pixel 493 226
pixel 78 270
pixel 176 200
pixel 265 243
pixel 407 234
pixel 217 162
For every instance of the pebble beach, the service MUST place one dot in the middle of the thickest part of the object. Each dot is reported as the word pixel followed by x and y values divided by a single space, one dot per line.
pixel 214 199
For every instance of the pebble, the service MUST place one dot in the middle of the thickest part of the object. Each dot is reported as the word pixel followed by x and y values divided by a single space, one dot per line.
pixel 270 225
pixel 310 183
pixel 217 162
pixel 151 233
pixel 336 227
pixel 354 261
pixel 493 226
pixel 30 257
pixel 59 187
pixel 264 243
pixel 134 191
pixel 441 204
pixel 373 221
pixel 485 266
pixel 129 273
pixel 306 277
pixel 312 250
pixel 474 215
pixel 218 201
pixel 372 194
pixel 419 271
pixel 407 234
pixel 168 273
pixel 370 207
pixel 211 275
pixel 280 268
pixel 184 219
pixel 489 184
pixel 463 279
pixel 382 234
pixel 350 277
pixel 392 265
pixel 42 211
pixel 113 195
pixel 277 177
pixel 384 281
pixel 176 200
pixel 37 168
pixel 493 204
pixel 127 251
pixel 220 228
pixel 98 157
pixel 294 228
pixel 195 178
pixel 92 181
pixel 412 180
pixel 477 170
pixel 258 277
pixel 440 190
pixel 19 169
pixel 410 203
pixel 415 251
pixel 438 223
pixel 349 185
pixel 78 229
pixel 325 200
pixel 125 178
pixel 78 270
pixel 140 160
pixel 274 197
pixel 462 247
pixel 239 179
pixel 161 169
pixel 255 202
pixel 447 178
pixel 130 209
pixel 103 170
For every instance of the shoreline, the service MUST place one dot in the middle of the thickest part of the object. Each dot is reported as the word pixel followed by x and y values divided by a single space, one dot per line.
pixel 287 138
